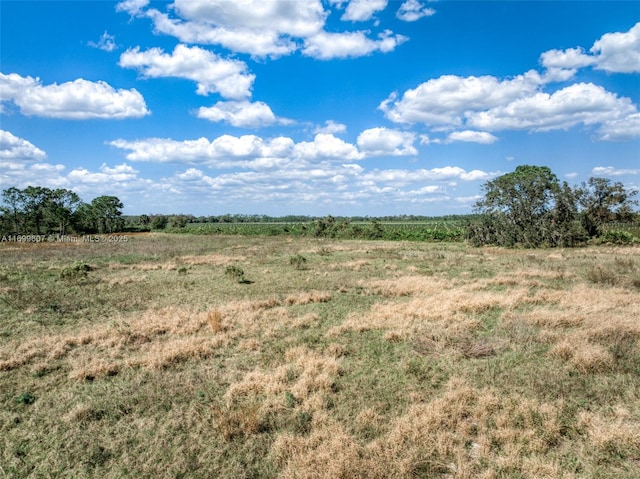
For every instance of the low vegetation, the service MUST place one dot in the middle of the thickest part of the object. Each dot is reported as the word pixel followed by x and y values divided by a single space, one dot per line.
pixel 157 357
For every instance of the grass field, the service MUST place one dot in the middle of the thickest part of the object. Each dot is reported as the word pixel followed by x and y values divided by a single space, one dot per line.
pixel 276 357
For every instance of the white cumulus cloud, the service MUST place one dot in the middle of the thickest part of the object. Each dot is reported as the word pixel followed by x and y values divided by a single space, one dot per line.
pixel 412 10
pixel 107 43
pixel 212 73
pixel 331 126
pixel 118 174
pixel 326 46
pixel 76 100
pixel 622 129
pixel 326 146
pixel 361 10
pixel 445 100
pixel 612 171
pixel 471 136
pixel 384 141
pixel 15 148
pixel 584 103
pixel 617 52
pixel 267 28
pixel 223 152
pixel 241 114
pixel 132 7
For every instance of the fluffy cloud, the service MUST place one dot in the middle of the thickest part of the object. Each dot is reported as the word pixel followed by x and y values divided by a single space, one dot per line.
pixel 264 28
pixel 297 19
pixel 15 148
pixel 107 43
pixel 241 114
pixel 382 141
pixel 76 100
pixel 570 59
pixel 118 174
pixel 325 45
pixel 326 146
pixel 623 129
pixel 258 27
pixel 471 136
pixel 446 173
pixel 258 42
pixel 331 126
pixel 132 7
pixel 612 171
pixel 584 103
pixel 223 152
pixel 412 10
pixel 617 52
pixel 445 100
pixel 361 10
pixel 489 104
pixel 213 74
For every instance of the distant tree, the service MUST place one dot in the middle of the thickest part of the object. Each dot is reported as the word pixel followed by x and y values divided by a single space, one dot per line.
pixel 602 201
pixel 178 221
pixel 159 222
pixel 13 199
pixel 144 220
pixel 527 207
pixel 84 219
pixel 62 205
pixel 107 211
pixel 35 205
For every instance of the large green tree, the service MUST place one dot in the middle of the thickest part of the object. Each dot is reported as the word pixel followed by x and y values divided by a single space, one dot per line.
pixel 107 211
pixel 527 207
pixel 602 201
pixel 41 210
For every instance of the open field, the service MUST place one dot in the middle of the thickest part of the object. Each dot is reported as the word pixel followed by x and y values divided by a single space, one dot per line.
pixel 279 357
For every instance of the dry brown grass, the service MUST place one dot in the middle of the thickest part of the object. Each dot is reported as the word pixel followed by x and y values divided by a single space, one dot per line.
pixel 155 339
pixel 491 364
pixel 464 433
pixel 214 318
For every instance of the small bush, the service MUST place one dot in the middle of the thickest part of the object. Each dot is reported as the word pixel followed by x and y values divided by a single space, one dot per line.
pixel 26 398
pixel 75 271
pixel 235 273
pixel 297 261
pixel 603 275
pixel 617 237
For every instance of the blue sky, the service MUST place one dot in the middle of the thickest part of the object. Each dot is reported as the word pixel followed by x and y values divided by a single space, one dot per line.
pixel 360 107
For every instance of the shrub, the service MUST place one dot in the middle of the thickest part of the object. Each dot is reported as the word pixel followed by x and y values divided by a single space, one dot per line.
pixel 75 271
pixel 26 398
pixel 618 237
pixel 298 261
pixel 235 273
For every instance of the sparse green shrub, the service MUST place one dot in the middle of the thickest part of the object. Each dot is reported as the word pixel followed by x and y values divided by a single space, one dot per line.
pixel 289 399
pixel 302 422
pixel 26 398
pixel 297 261
pixel 182 270
pixel 235 273
pixel 617 237
pixel 78 270
pixel 603 275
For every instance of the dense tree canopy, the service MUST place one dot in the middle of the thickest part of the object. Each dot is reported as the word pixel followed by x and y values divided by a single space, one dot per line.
pixel 531 208
pixel 39 210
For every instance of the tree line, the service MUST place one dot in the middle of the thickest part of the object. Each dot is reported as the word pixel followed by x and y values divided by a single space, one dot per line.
pixel 39 210
pixel 530 207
